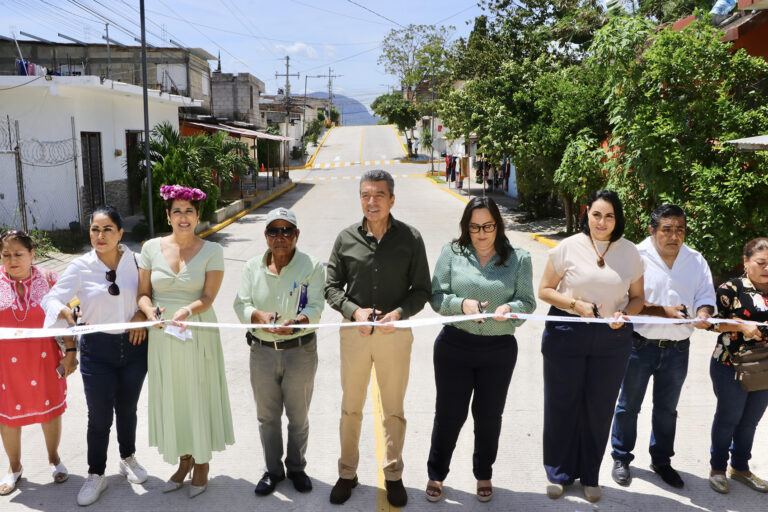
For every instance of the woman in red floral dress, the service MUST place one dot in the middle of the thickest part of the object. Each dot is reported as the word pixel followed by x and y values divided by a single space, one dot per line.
pixel 31 390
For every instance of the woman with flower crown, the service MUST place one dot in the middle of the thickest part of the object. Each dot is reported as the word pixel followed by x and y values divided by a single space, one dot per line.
pixel 179 277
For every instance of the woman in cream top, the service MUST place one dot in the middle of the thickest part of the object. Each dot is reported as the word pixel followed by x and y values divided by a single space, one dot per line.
pixel 593 273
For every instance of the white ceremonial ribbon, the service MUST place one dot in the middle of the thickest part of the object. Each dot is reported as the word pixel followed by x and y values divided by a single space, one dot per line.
pixel 9 333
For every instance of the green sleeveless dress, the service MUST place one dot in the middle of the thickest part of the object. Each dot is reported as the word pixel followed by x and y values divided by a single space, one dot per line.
pixel 189 410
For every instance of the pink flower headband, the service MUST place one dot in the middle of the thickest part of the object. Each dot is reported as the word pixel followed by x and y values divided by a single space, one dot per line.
pixel 181 193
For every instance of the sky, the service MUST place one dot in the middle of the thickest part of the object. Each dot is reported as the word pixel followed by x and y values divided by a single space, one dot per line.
pixel 254 36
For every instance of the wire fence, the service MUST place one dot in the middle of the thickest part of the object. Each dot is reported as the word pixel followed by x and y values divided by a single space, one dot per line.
pixel 38 180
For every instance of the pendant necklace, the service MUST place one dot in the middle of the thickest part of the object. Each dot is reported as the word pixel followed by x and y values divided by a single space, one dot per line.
pixel 600 257
pixel 17 299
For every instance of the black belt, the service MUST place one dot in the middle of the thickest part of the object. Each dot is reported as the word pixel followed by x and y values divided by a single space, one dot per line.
pixel 659 343
pixel 280 345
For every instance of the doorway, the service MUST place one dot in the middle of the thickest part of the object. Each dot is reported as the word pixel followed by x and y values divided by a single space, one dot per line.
pixel 93 172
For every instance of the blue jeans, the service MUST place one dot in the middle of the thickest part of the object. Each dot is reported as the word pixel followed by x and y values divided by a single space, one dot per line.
pixel 113 374
pixel 668 367
pixel 736 417
pixel 284 379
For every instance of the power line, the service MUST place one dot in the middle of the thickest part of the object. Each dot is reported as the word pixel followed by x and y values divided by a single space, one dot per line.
pixel 456 14
pixel 21 85
pixel 342 59
pixel 250 35
pixel 208 38
pixel 242 22
pixel 336 13
pixel 375 13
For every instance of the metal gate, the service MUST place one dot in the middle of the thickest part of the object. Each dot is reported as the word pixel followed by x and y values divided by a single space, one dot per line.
pixel 38 180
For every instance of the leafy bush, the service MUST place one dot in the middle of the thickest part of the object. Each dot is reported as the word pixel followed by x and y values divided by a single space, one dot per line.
pixel 675 96
pixel 313 130
pixel 201 161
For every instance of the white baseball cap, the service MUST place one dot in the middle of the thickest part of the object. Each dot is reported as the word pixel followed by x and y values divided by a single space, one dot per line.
pixel 281 214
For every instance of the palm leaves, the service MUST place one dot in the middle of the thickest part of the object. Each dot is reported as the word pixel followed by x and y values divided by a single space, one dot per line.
pixel 203 161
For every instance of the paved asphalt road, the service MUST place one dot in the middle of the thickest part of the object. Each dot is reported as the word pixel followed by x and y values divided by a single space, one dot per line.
pixel 323 208
pixel 360 144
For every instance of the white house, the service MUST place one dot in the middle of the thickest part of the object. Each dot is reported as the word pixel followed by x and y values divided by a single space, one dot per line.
pixel 64 134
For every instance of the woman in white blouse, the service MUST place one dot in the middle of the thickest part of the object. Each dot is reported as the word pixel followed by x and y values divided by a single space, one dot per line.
pixel 593 273
pixel 113 364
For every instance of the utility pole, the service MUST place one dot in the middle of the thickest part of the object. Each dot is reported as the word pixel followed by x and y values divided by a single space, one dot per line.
pixel 287 76
pixel 109 55
pixel 304 117
pixel 330 77
pixel 432 128
pixel 145 98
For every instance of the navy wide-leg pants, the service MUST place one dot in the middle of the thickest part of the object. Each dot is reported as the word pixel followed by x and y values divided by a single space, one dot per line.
pixel 583 368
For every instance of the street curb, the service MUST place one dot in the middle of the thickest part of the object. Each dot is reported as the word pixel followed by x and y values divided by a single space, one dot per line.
pixel 239 215
pixel 454 194
pixel 311 161
pixel 544 240
pixel 405 151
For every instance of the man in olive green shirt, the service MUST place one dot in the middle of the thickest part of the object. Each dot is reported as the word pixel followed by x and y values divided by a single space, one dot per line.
pixel 284 287
pixel 378 271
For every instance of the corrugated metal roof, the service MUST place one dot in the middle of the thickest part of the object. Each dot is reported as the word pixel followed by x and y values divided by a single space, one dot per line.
pixel 758 143
pixel 240 131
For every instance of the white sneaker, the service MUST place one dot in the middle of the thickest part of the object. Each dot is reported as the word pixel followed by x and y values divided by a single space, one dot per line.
pixel 133 471
pixel 91 490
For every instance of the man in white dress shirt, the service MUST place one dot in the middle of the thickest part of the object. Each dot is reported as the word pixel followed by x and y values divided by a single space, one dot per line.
pixel 678 282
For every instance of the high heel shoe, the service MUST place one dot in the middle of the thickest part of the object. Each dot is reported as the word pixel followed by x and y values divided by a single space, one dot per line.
pixel 171 485
pixel 197 490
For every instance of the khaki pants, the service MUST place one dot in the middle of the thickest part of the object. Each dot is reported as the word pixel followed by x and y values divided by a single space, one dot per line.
pixel 390 354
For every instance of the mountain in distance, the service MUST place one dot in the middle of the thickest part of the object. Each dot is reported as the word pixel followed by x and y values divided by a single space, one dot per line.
pixel 353 112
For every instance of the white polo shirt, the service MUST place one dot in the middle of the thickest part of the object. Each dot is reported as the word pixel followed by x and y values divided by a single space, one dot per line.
pixel 688 282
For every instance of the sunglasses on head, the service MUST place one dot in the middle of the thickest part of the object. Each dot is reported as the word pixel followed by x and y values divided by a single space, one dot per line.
pixel 287 231
pixel 113 288
pixel 14 232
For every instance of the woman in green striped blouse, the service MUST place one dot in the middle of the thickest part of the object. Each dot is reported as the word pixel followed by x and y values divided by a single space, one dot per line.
pixel 480 271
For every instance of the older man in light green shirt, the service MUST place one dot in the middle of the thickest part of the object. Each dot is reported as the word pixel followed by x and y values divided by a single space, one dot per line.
pixel 284 288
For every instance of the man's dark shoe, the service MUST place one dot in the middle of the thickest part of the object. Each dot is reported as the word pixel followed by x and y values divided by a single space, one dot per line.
pixel 396 495
pixel 343 490
pixel 669 475
pixel 301 481
pixel 268 483
pixel 620 473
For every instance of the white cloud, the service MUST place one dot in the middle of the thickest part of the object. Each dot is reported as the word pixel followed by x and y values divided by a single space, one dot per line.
pixel 298 48
pixel 329 51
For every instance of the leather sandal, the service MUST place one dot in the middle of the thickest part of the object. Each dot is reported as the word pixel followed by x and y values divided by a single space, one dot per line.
pixel 9 482
pixel 434 492
pixel 59 473
pixel 484 493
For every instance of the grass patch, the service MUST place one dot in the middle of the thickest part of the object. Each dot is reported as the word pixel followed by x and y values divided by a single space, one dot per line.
pixel 436 179
pixel 62 240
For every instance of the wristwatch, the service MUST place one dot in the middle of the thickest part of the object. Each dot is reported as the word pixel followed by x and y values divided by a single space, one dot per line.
pixel 572 305
pixel 71 349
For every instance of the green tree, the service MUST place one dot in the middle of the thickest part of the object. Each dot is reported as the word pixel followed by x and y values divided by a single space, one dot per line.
pixel 673 97
pixel 335 115
pixel 414 54
pixel 663 11
pixel 396 110
pixel 192 162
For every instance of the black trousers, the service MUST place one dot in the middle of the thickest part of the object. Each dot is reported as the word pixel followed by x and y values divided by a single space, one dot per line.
pixel 113 374
pixel 468 366
pixel 583 368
